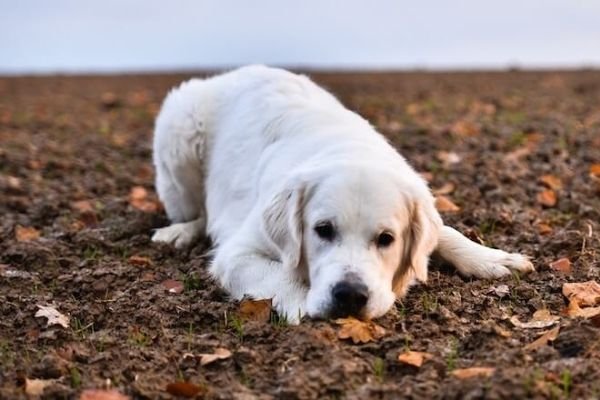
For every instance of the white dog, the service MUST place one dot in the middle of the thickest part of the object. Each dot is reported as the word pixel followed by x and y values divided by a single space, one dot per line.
pixel 305 202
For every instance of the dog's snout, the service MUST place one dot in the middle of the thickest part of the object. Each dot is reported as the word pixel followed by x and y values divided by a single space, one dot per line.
pixel 349 297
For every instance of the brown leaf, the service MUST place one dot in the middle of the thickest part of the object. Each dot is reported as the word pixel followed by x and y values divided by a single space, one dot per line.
pixel 561 265
pixel 98 394
pixel 26 233
pixel 184 389
pixel 110 100
pixel 446 188
pixel 256 310
pixel 139 199
pixel 219 354
pixel 82 206
pixel 359 331
pixel 547 336
pixel 448 157
pixel 543 228
pixel 541 319
pixel 585 293
pixel 466 373
pixel 173 286
pixel 595 170
pixel 35 387
pixel 414 358
pixel 573 310
pixel 465 128
pixel 428 176
pixel 553 182
pixel 444 204
pixel 140 261
pixel 547 198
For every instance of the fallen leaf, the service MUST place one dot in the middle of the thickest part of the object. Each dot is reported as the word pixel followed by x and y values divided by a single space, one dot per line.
pixel 465 128
pixel 82 206
pixel 500 331
pixel 173 286
pixel 184 389
pixel 98 394
pixel 541 319
pixel 359 331
pixel 584 293
pixel 544 339
pixel 553 182
pixel 26 233
pixel 414 358
pixel 543 228
pixel 54 317
pixel 110 100
pixel 256 310
pixel 35 387
pixel 500 290
pixel 573 310
pixel 448 157
pixel 561 265
pixel 595 170
pixel 446 188
pixel 428 176
pixel 443 204
pixel 140 261
pixel 219 354
pixel 547 198
pixel 466 373
pixel 139 199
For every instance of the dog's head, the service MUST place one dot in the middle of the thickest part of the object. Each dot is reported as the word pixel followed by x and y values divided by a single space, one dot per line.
pixel 358 235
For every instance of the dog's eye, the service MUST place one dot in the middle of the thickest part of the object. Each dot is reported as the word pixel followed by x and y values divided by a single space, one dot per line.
pixel 384 239
pixel 325 230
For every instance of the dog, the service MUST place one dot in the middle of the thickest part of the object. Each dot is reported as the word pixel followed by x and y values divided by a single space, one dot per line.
pixel 304 201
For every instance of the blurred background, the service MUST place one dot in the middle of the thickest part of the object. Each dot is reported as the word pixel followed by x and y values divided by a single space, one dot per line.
pixel 63 36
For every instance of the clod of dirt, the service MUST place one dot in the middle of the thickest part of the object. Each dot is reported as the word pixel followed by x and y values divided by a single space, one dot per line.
pixel 359 331
pixel 414 358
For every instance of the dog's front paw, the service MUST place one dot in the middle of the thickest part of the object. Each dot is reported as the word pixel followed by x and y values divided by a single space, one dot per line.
pixel 502 264
pixel 291 307
pixel 179 235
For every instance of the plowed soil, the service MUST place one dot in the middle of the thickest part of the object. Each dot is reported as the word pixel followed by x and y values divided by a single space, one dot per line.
pixel 75 154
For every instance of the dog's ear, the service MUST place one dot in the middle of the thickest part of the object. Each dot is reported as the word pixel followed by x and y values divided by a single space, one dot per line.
pixel 282 223
pixel 420 239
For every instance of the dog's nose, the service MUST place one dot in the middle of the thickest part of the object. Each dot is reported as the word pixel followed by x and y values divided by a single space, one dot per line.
pixel 349 297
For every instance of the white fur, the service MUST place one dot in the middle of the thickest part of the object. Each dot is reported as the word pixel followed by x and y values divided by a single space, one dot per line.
pixel 257 157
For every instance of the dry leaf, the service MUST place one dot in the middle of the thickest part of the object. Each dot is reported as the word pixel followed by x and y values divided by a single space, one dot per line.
pixel 138 198
pixel 466 373
pixel 561 265
pixel 35 387
pixel 541 319
pixel 140 261
pixel 219 354
pixel 443 204
pixel 173 286
pixel 184 389
pixel 414 358
pixel 446 188
pixel 82 206
pixel 256 310
pixel 544 229
pixel 548 336
pixel 54 317
pixel 595 170
pixel 465 128
pixel 547 198
pixel 500 290
pixel 553 182
pixel 448 157
pixel 26 233
pixel 359 331
pixel 573 310
pixel 98 394
pixel 428 176
pixel 585 293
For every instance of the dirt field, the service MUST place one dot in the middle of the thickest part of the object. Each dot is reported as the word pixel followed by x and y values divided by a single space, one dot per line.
pixel 514 151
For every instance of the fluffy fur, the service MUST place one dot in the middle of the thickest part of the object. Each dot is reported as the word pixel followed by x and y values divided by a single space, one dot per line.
pixel 259 158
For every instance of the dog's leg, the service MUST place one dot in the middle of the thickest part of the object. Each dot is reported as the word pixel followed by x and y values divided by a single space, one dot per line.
pixel 182 234
pixel 243 270
pixel 472 259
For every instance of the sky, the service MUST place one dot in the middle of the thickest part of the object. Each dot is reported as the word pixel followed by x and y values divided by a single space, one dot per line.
pixel 50 36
